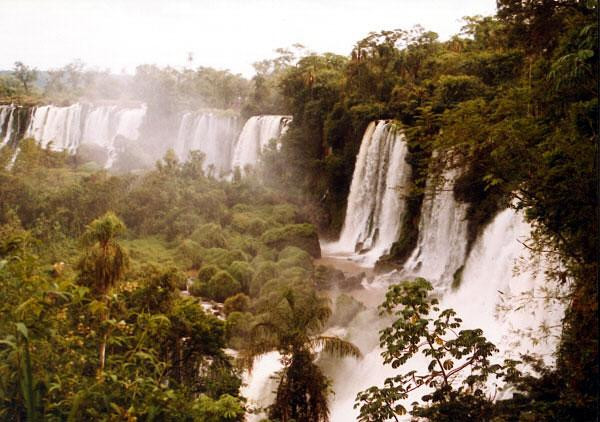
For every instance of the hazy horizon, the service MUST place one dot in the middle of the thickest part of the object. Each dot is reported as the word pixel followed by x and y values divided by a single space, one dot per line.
pixel 228 34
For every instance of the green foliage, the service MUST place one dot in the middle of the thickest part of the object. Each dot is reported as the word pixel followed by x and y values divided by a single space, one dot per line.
pixel 189 254
pixel 25 75
pixel 226 408
pixel 236 303
pixel 221 286
pixel 207 272
pixel 511 101
pixel 243 273
pixel 292 256
pixel 105 261
pixel 265 271
pixel 303 236
pixel 248 223
pixel 288 320
pixel 209 236
pixel 449 350
pixel 222 258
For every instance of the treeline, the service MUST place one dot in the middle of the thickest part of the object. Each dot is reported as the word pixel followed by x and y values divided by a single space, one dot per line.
pixel 164 88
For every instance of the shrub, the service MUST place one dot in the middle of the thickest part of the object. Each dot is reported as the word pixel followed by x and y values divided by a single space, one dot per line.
pixel 284 214
pixel 292 256
pixel 237 328
pixel 221 286
pixel 209 236
pixel 197 288
pixel 242 272
pixel 236 303
pixel 223 258
pixel 207 272
pixel 265 271
pixel 303 236
pixel 189 254
pixel 248 223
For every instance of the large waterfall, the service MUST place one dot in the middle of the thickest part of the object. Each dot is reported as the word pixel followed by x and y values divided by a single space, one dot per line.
pixel 375 203
pixel 442 242
pixel 210 132
pixel 498 286
pixel 255 136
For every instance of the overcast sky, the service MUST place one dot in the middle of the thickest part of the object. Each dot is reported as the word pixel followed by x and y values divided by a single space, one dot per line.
pixel 226 34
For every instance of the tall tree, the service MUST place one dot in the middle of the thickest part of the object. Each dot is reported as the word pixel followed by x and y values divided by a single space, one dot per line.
pixel 25 74
pixel 289 324
pixel 102 265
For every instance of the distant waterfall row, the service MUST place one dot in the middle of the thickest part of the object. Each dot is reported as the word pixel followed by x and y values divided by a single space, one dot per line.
pixel 68 128
pixel 112 128
pixel 255 136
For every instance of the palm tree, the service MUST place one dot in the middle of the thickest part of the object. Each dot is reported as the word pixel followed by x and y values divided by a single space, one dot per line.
pixel 290 323
pixel 102 265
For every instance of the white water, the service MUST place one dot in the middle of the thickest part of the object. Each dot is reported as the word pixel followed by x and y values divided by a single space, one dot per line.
pixel 255 136
pixel 259 385
pixel 67 128
pixel 7 114
pixel 375 203
pixel 503 289
pixel 112 127
pixel 507 319
pixel 442 242
pixel 213 134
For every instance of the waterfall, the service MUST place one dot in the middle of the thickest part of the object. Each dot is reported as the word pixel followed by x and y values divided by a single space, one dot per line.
pixel 375 204
pixel 13 121
pixel 259 385
pixel 57 127
pixel 67 128
pixel 112 128
pixel 498 286
pixel 211 133
pixel 503 291
pixel 255 136
pixel 506 304
pixel 7 115
pixel 442 242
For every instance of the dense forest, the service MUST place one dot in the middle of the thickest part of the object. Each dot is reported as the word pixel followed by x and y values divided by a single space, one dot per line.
pixel 148 294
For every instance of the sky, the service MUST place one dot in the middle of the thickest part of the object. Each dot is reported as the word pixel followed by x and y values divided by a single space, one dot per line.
pixel 226 34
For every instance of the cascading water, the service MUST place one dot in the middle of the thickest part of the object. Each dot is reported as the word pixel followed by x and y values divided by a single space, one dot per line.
pixel 213 134
pixel 492 296
pixel 442 242
pixel 7 115
pixel 375 204
pixel 13 120
pixel 505 292
pixel 255 136
pixel 500 288
pixel 259 385
pixel 111 127
pixel 58 127
pixel 67 128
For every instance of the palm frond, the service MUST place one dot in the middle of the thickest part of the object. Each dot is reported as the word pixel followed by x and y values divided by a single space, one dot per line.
pixel 336 346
